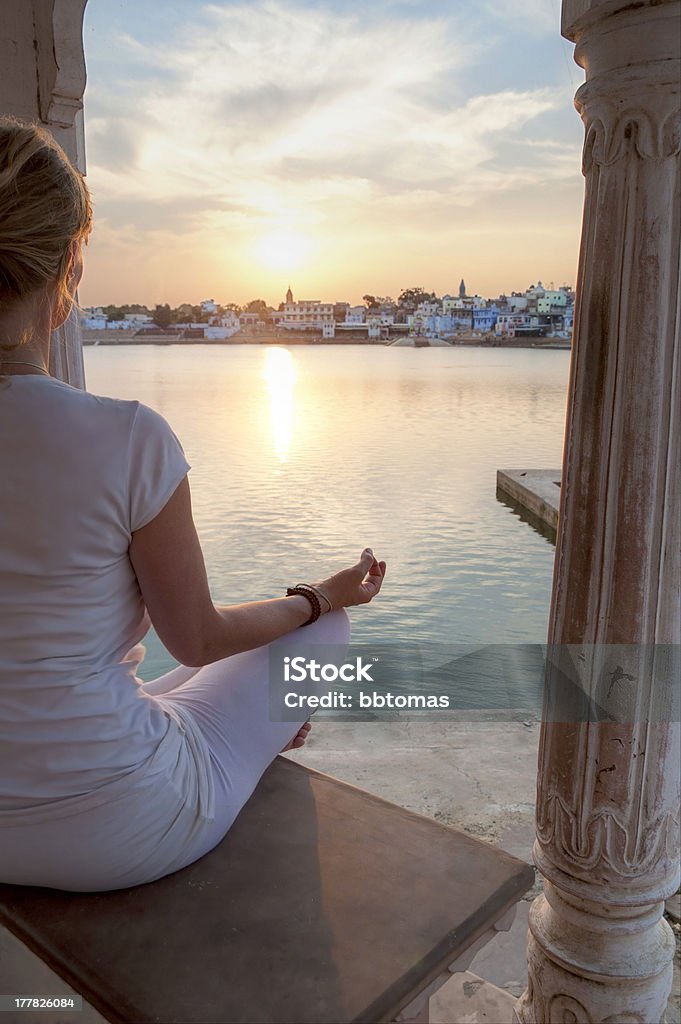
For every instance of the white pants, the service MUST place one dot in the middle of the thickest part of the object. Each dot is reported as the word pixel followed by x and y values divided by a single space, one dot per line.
pixel 229 702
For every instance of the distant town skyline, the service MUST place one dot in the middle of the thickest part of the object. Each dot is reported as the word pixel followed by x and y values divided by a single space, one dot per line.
pixel 227 302
pixel 537 312
pixel 234 148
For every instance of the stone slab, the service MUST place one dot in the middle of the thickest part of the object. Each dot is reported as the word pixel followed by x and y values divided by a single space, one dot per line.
pixel 323 904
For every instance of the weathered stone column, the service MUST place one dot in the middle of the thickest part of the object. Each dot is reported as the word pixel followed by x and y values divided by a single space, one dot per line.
pixel 608 779
pixel 42 79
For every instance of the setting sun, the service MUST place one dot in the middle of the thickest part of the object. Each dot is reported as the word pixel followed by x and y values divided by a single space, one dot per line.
pixel 283 250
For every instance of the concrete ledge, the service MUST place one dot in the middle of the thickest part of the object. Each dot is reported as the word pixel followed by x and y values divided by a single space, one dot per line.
pixel 535 490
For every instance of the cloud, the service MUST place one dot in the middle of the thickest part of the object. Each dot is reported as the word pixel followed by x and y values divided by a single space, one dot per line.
pixel 115 143
pixel 272 103
pixel 152 214
pixel 254 116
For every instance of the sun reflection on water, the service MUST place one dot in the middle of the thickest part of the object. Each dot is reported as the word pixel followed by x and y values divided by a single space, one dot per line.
pixel 280 377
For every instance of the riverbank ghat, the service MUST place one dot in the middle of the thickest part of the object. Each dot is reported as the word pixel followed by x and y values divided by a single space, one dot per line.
pixel 323 904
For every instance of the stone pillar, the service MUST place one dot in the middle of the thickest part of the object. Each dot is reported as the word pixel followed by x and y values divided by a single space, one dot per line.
pixel 42 79
pixel 608 775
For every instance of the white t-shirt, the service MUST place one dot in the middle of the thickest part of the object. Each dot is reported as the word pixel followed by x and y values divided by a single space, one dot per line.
pixel 79 474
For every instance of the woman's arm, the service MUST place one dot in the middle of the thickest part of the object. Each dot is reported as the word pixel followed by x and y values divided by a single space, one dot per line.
pixel 168 562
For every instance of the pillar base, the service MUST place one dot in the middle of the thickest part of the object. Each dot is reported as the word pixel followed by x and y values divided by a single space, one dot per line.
pixel 590 963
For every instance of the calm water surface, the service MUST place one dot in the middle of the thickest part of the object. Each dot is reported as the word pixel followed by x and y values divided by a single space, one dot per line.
pixel 303 456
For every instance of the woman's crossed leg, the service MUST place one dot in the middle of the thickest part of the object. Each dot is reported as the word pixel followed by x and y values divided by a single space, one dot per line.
pixel 229 700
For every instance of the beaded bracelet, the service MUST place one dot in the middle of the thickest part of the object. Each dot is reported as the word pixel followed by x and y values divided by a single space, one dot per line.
pixel 312 598
pixel 320 594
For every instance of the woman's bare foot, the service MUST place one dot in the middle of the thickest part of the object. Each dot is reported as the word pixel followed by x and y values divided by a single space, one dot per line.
pixel 298 740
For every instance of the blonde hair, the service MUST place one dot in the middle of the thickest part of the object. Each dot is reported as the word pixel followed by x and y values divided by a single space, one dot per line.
pixel 44 207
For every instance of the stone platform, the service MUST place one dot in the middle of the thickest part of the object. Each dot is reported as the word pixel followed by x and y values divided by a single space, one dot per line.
pixel 534 491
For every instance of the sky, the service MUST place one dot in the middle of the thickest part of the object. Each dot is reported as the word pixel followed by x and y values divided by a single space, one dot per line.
pixel 236 148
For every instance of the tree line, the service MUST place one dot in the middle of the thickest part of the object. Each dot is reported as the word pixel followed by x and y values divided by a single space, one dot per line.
pixel 164 315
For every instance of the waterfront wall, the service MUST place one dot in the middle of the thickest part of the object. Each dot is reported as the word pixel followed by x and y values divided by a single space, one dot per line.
pixel 109 337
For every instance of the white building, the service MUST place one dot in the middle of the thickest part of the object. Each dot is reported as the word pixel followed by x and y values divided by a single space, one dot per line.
pixel 356 315
pixel 251 322
pixel 213 332
pixel 552 301
pixel 453 305
pixel 516 302
pixel 138 319
pixel 221 327
pixel 119 325
pixel 430 307
pixel 304 315
pixel 383 319
pixel 229 319
pixel 536 290
pixel 209 306
pixel 512 325
pixel 94 319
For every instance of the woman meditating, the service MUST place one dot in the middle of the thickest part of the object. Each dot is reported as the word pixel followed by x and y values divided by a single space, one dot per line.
pixel 105 781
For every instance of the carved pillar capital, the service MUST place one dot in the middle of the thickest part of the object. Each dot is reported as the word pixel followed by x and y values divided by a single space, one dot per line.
pixel 643 121
pixel 579 17
pixel 60 71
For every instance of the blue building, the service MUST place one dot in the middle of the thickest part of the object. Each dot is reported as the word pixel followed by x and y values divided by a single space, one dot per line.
pixel 485 318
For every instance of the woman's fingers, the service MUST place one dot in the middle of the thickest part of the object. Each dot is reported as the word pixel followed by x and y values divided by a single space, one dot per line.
pixel 366 560
pixel 355 585
pixel 377 569
pixel 374 580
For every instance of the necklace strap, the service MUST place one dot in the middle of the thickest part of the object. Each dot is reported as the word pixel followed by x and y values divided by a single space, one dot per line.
pixel 24 362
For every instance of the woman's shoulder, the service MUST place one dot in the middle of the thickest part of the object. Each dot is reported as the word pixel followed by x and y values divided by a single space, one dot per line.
pixel 141 424
pixel 101 406
pixel 53 406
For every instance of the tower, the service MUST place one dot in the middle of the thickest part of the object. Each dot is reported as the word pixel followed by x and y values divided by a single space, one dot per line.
pixel 462 289
pixel 289 294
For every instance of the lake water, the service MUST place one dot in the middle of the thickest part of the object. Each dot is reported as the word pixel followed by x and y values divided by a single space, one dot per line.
pixel 303 456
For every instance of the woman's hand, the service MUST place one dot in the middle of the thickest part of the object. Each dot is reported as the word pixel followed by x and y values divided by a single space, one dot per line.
pixel 357 585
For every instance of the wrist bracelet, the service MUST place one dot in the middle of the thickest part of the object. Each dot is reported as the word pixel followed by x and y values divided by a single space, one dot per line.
pixel 319 593
pixel 311 595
